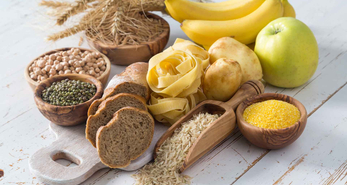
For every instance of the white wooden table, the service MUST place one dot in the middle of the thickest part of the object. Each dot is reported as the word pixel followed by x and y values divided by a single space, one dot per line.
pixel 319 156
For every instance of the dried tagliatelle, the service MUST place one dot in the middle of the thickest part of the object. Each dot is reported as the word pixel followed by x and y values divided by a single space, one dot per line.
pixel 198 52
pixel 174 73
pixel 169 110
pixel 175 78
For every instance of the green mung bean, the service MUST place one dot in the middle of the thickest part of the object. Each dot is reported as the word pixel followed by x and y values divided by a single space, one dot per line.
pixel 68 92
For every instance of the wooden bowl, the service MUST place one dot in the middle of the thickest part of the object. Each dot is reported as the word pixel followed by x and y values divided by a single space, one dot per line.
pixel 128 54
pixel 271 138
pixel 66 115
pixel 103 78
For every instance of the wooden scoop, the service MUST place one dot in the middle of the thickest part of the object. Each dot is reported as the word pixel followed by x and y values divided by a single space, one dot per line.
pixel 219 129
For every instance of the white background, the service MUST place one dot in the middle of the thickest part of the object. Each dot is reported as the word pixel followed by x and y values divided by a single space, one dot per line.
pixel 319 156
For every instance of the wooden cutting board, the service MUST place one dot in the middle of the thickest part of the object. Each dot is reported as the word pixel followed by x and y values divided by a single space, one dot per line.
pixel 72 145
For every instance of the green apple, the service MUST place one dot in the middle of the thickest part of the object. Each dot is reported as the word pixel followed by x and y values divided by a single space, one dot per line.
pixel 288 52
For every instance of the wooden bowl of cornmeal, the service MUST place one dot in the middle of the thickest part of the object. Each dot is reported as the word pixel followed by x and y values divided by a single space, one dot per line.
pixel 271 120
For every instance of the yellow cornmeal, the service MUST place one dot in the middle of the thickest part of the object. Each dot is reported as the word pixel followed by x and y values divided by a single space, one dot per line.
pixel 273 114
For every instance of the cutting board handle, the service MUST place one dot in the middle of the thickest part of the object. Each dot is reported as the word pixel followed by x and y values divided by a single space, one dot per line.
pixel 70 145
pixel 56 173
pixel 248 89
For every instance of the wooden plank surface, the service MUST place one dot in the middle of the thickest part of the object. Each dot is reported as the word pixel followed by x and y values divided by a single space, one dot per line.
pixel 318 157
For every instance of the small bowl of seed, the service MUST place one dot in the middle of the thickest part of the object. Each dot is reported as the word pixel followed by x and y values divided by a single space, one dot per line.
pixel 271 120
pixel 68 61
pixel 65 99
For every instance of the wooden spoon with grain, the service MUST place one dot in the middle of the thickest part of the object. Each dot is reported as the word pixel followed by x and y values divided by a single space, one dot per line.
pixel 219 129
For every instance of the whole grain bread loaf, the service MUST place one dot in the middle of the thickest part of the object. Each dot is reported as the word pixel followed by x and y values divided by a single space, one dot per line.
pixel 106 110
pixel 126 136
pixel 132 80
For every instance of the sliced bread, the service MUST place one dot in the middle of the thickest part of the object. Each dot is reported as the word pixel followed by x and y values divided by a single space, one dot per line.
pixel 132 80
pixel 106 110
pixel 125 137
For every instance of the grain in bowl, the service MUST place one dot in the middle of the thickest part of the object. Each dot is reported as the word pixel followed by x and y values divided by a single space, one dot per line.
pixel 272 114
pixel 272 122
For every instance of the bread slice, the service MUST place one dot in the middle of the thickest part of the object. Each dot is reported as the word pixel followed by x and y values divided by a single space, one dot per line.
pixel 126 87
pixel 135 74
pixel 132 80
pixel 94 106
pixel 106 110
pixel 126 137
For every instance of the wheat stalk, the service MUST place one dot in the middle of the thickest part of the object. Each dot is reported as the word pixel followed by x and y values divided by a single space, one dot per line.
pixel 66 33
pixel 148 5
pixel 81 26
pixel 78 7
pixel 117 20
pixel 112 21
pixel 54 4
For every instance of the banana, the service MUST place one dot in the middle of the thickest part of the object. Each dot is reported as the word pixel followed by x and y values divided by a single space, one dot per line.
pixel 206 47
pixel 244 29
pixel 288 9
pixel 227 10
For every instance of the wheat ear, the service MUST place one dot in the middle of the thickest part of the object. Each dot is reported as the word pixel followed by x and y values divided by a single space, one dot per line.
pixel 66 33
pixel 77 7
pixel 148 5
pixel 54 4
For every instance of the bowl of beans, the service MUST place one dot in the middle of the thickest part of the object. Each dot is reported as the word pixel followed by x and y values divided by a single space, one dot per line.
pixel 68 61
pixel 65 99
pixel 271 120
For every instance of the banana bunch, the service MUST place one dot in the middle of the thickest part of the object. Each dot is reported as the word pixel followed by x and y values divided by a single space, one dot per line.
pixel 288 9
pixel 205 23
pixel 188 10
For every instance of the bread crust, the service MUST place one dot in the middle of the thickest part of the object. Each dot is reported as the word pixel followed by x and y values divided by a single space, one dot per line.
pixel 113 98
pixel 133 74
pixel 113 121
pixel 93 108
pixel 103 106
